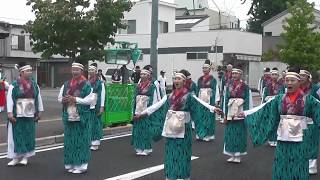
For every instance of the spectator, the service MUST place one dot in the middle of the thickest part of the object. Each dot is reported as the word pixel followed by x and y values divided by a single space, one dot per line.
pixel 124 72
pixel 162 81
pixel 135 77
pixel 101 76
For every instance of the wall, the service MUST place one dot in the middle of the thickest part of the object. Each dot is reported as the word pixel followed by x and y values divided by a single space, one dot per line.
pixel 141 12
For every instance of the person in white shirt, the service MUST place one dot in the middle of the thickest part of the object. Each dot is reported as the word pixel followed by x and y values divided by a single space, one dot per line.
pixel 163 82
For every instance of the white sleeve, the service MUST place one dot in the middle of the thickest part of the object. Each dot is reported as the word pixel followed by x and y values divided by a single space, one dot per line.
pixel 262 98
pixel 259 85
pixel 253 110
pixel 155 97
pixel 250 100
pixel 86 100
pixel 10 100
pixel 40 103
pixel 217 93
pixel 6 84
pixel 60 94
pixel 155 107
pixel 211 108
pixel 103 95
pixel 318 92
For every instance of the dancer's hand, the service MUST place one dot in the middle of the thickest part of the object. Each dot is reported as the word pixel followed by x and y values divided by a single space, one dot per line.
pixel 218 111
pixel 241 115
pixel 11 118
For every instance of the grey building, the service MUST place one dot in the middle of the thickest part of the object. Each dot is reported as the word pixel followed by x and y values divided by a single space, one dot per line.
pixel 15 47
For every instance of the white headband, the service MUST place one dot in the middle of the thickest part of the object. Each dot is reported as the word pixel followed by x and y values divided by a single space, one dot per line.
pixel 206 65
pixel 93 68
pixel 274 72
pixel 305 72
pixel 144 71
pixel 180 75
pixel 77 65
pixel 236 70
pixel 293 75
pixel 24 68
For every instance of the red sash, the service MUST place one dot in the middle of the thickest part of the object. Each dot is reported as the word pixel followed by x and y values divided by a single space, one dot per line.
pixel 2 94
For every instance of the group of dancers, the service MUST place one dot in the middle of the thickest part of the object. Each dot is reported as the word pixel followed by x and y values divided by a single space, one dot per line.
pixel 288 118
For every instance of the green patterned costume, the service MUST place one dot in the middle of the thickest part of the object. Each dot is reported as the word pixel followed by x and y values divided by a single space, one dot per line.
pixel 178 151
pixel 312 134
pixel 291 158
pixel 141 138
pixel 77 137
pixel 235 133
pixel 96 121
pixel 23 130
pixel 205 122
pixel 267 91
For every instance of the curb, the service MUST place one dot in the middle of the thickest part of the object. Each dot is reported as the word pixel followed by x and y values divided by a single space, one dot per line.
pixel 58 139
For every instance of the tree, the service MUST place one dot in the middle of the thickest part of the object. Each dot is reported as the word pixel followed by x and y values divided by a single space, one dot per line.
pixel 262 10
pixel 78 29
pixel 301 45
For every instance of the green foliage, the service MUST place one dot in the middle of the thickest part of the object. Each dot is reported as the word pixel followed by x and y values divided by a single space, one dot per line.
pixel 78 29
pixel 263 10
pixel 270 55
pixel 301 46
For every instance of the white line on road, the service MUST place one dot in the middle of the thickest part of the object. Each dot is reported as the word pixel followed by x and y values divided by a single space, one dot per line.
pixel 41 121
pixel 61 146
pixel 141 173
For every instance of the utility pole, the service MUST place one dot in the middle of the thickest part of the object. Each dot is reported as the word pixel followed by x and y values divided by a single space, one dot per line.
pixel 154 38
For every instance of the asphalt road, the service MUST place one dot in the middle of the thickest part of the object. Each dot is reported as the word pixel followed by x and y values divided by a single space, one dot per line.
pixel 116 157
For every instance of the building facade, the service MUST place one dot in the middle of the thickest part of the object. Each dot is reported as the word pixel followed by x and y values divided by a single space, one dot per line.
pixel 16 47
pixel 188 49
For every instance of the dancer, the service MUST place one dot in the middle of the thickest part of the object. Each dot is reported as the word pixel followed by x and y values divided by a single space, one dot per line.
pixel 208 92
pixel 289 113
pixel 76 96
pixel 24 107
pixel 176 111
pixel 237 98
pixel 97 108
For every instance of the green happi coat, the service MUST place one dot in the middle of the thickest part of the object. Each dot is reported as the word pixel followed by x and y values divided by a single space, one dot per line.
pixel 312 134
pixel 178 151
pixel 291 158
pixel 141 138
pixel 193 88
pixel 205 122
pixel 24 129
pixel 235 133
pixel 266 93
pixel 96 121
pixel 77 137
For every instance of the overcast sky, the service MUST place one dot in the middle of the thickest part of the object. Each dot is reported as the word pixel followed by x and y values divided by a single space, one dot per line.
pixel 16 11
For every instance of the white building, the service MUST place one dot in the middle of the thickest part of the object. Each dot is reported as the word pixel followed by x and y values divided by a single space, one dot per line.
pixel 188 49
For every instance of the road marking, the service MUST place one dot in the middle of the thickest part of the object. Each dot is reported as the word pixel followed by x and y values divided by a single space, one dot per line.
pixel 61 146
pixel 41 121
pixel 141 173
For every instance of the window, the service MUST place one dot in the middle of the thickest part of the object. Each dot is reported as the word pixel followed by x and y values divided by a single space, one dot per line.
pixel 197 55
pixel 163 27
pixel 14 41
pixel 268 34
pixel 18 42
pixel 131 27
